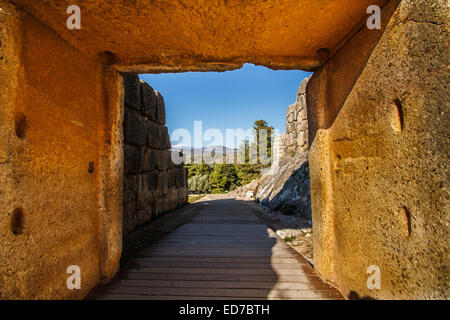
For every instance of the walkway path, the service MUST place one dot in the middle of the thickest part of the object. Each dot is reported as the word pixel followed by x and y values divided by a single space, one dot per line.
pixel 224 252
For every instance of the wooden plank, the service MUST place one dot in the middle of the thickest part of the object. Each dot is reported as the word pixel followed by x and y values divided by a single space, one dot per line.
pixel 267 249
pixel 276 255
pixel 203 271
pixel 133 274
pixel 304 285
pixel 217 264
pixel 115 296
pixel 217 259
pixel 214 292
pixel 221 265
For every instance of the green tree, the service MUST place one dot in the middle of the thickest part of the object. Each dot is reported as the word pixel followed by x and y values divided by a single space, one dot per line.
pixel 224 177
pixel 199 184
pixel 261 127
pixel 198 169
pixel 243 154
pixel 247 173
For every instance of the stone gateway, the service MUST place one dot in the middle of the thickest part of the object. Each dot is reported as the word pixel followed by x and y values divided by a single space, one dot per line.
pixel 84 151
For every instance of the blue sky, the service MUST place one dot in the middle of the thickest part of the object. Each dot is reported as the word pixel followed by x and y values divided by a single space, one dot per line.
pixel 227 100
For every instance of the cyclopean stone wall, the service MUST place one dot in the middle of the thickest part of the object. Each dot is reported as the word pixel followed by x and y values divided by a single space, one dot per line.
pixel 295 139
pixel 153 184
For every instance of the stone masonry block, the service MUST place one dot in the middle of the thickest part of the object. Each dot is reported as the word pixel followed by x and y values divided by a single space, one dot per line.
pixel 179 172
pixel 182 196
pixel 129 217
pixel 173 198
pixel 185 177
pixel 148 101
pixel 152 179
pixel 171 178
pixel 158 207
pixel 163 138
pixel 163 159
pixel 153 135
pixel 132 159
pixel 145 193
pixel 144 216
pixel 134 128
pixel 149 161
pixel 163 183
pixel 132 87
pixel 160 109
pixel 130 188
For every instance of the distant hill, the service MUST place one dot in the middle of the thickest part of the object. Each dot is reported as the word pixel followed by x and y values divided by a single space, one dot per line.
pixel 197 153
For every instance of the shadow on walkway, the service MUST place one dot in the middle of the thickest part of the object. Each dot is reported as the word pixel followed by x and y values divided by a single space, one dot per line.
pixel 224 252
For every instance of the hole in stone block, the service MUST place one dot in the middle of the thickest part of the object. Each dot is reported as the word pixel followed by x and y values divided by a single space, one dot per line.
pixel 17 221
pixel 404 219
pixel 91 167
pixel 323 54
pixel 21 125
pixel 396 116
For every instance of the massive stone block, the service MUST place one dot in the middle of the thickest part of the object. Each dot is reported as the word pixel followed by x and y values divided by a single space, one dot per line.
pixel 148 101
pixel 379 157
pixel 61 169
pixel 172 177
pixel 163 183
pixel 160 109
pixel 163 160
pixel 129 217
pixel 152 178
pixel 163 138
pixel 130 188
pixel 134 128
pixel 144 216
pixel 145 193
pixel 149 160
pixel 220 35
pixel 133 159
pixel 133 90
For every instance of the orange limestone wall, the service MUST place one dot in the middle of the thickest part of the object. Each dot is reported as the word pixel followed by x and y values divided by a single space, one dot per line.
pixel 60 163
pixel 379 158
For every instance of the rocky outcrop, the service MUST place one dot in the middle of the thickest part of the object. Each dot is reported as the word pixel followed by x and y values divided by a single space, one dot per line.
pixel 153 184
pixel 287 191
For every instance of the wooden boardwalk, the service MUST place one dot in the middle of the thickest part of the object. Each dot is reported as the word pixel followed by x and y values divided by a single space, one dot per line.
pixel 226 253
